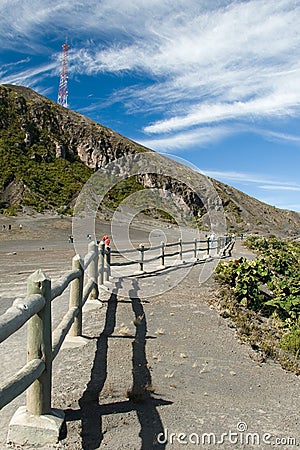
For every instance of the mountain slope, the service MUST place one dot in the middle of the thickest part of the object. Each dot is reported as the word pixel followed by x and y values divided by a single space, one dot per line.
pixel 48 152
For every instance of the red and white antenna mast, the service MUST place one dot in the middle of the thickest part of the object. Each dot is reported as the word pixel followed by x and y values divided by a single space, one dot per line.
pixel 63 82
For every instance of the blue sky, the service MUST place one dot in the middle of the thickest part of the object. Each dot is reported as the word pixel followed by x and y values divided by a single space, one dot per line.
pixel 216 82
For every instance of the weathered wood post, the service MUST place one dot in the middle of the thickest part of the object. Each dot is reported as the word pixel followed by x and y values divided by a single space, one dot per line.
pixel 162 255
pixel 180 249
pixel 93 270
pixel 195 248
pixel 208 246
pixel 107 263
pixel 76 296
pixel 39 346
pixel 141 262
pixel 101 262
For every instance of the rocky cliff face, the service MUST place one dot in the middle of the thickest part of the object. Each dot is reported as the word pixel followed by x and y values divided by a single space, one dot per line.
pixel 66 133
pixel 47 152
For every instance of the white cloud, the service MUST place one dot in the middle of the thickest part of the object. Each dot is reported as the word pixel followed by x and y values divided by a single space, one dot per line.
pixel 29 77
pixel 284 194
pixel 199 137
pixel 264 181
pixel 208 61
pixel 278 104
pixel 279 137
pixel 280 187
pixel 282 202
pixel 292 206
pixel 207 66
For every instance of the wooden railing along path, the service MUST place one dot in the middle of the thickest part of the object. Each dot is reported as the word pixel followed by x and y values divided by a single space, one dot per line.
pixel 218 246
pixel 43 343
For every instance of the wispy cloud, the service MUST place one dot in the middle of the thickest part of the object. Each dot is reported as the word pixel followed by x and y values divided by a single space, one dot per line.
pixel 282 202
pixel 206 62
pixel 284 193
pixel 199 137
pixel 279 137
pixel 230 63
pixel 263 180
pixel 277 104
pixel 292 206
pixel 279 187
pixel 29 77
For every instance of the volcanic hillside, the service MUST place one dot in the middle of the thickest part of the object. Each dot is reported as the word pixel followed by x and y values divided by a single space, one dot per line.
pixel 47 153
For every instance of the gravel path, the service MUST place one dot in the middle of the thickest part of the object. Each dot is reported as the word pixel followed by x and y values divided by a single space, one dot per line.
pixel 176 378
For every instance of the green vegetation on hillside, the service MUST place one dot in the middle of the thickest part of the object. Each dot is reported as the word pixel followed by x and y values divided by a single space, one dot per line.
pixel 49 184
pixel 28 159
pixel 266 291
pixel 32 131
pixel 121 191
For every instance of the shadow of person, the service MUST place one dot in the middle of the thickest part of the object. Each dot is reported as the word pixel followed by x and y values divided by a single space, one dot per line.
pixel 91 421
pixel 140 395
pixel 142 390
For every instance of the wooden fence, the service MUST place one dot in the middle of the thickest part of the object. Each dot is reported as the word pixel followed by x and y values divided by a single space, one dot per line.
pixel 43 343
pixel 200 249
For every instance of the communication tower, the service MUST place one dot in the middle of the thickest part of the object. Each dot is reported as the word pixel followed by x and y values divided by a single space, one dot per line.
pixel 63 82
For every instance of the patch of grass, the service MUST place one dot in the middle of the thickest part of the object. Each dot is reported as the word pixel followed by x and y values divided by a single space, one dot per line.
pixel 290 341
pixel 266 336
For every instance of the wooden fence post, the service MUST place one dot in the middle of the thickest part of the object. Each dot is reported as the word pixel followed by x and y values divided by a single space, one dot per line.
pixel 76 296
pixel 195 248
pixel 162 255
pixel 101 262
pixel 107 258
pixel 39 345
pixel 180 249
pixel 93 270
pixel 208 246
pixel 141 262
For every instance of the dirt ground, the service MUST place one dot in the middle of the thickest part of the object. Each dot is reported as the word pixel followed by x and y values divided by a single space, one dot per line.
pixel 165 372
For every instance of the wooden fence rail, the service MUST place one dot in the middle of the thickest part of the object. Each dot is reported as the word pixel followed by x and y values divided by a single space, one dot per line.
pixel 219 246
pixel 43 343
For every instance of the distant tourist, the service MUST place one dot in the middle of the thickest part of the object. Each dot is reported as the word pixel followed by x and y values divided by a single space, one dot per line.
pixel 20 226
pixel 9 227
pixel 105 240
pixel 3 227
